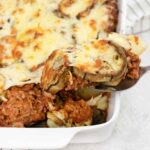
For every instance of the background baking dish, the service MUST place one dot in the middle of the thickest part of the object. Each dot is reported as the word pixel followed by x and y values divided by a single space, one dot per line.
pixel 51 138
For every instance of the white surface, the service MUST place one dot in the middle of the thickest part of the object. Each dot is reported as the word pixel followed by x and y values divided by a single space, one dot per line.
pixel 139 16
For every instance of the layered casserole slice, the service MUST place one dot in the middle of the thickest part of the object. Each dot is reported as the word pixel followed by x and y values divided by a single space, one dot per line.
pixel 72 74
pixel 100 61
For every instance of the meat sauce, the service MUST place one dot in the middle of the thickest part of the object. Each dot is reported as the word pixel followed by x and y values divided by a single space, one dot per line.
pixel 25 106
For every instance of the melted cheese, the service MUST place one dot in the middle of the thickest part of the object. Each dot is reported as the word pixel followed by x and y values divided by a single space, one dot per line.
pixel 74 7
pixel 10 50
pixel 18 74
pixel 39 50
pixel 30 30
pixel 97 56
pixel 89 27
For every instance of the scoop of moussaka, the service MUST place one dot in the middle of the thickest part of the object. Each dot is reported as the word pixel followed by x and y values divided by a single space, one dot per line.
pixel 100 61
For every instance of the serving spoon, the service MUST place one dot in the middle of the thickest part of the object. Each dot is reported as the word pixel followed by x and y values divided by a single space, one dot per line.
pixel 126 83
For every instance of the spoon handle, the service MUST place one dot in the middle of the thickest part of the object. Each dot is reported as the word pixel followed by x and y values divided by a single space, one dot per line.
pixel 144 70
pixel 147 68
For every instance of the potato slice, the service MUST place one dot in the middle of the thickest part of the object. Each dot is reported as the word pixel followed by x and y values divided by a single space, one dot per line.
pixel 131 42
pixel 73 8
pixel 98 22
pixel 98 61
pixel 53 69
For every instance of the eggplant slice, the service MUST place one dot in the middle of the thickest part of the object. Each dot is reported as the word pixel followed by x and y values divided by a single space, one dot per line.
pixel 129 43
pixel 95 22
pixel 99 61
pixel 76 8
pixel 53 70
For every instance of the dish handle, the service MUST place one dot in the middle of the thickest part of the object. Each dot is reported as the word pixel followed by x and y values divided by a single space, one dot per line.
pixel 36 138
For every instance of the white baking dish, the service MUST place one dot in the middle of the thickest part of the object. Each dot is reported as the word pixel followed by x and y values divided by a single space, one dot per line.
pixel 52 138
pixel 122 16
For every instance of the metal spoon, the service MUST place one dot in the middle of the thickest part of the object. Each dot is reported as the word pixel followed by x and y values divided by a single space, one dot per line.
pixel 126 83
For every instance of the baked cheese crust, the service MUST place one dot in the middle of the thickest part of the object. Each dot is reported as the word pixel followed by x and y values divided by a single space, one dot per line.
pixel 30 30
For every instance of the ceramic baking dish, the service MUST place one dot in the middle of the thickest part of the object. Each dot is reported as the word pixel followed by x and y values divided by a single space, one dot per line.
pixel 54 138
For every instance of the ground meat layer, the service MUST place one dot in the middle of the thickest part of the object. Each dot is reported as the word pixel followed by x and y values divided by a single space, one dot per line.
pixel 78 111
pixel 133 65
pixel 24 106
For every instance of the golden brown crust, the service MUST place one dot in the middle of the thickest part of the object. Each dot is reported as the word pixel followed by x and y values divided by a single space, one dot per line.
pixel 112 10
pixel 85 12
pixel 11 51
pixel 64 4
